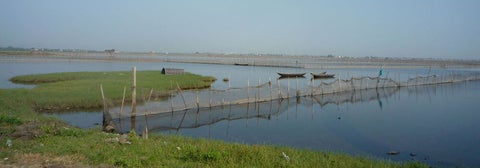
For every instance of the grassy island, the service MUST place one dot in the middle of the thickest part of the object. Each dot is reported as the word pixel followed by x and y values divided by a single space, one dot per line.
pixel 29 139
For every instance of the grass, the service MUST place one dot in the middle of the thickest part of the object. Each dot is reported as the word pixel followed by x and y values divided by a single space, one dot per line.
pixel 45 142
pixel 81 90
pixel 90 148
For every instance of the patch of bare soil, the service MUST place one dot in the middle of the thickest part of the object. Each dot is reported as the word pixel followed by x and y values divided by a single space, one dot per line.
pixel 38 160
pixel 28 131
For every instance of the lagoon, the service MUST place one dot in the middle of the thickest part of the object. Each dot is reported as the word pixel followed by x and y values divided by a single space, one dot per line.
pixel 435 124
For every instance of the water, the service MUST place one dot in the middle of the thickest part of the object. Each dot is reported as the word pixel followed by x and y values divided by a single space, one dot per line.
pixel 239 75
pixel 438 123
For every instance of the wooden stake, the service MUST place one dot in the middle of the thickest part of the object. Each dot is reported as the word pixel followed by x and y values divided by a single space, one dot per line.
pixel 146 116
pixel 296 87
pixel 278 88
pixel 248 88
pixel 108 125
pixel 313 85
pixel 123 102
pixel 134 100
pixel 146 132
pixel 134 92
pixel 103 97
pixel 171 103
pixel 181 94
pixel 361 80
pixel 121 107
pixel 196 100
pixel 258 90
pixel 210 100
pixel 288 88
pixel 270 88
pixel 339 85
pixel 150 96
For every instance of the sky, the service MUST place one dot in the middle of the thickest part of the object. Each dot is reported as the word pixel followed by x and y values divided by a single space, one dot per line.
pixel 357 28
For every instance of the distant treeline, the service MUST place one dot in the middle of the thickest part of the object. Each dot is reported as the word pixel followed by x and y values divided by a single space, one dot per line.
pixel 14 49
pixel 9 48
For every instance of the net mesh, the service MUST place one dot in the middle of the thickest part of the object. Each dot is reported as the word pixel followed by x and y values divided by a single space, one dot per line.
pixel 277 90
pixel 196 108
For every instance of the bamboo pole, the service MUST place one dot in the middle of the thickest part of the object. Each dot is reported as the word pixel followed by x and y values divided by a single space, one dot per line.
pixel 103 98
pixel 321 87
pixel 150 95
pixel 258 90
pixel 361 80
pixel 296 87
pixel 134 91
pixel 278 88
pixel 134 99
pixel 170 95
pixel 338 87
pixel 352 84
pixel 196 100
pixel 248 89
pixel 121 107
pixel 210 100
pixel 313 86
pixel 270 88
pixel 288 88
pixel 171 103
pixel 123 102
pixel 108 125
pixel 146 116
pixel 398 79
pixel 181 94
pixel 146 132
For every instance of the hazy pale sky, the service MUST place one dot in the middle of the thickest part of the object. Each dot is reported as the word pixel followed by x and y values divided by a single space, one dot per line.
pixel 383 28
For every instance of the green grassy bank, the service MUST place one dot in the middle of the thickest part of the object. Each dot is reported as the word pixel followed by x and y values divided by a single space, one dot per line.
pixel 37 141
pixel 81 90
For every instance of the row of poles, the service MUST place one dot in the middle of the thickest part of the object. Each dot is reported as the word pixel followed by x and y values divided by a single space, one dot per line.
pixel 108 124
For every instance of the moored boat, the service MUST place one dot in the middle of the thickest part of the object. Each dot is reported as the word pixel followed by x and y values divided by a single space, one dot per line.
pixel 241 64
pixel 290 75
pixel 322 75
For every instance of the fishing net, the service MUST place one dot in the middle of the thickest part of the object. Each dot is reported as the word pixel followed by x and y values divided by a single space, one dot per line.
pixel 264 99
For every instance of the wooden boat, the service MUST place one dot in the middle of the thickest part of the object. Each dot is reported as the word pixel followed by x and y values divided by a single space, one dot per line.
pixel 322 75
pixel 290 75
pixel 241 64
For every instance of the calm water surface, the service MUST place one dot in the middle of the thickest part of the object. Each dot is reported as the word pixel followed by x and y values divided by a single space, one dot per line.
pixel 433 124
pixel 437 124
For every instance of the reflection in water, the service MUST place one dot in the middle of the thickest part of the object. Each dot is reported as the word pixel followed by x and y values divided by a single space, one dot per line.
pixel 437 123
pixel 194 118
